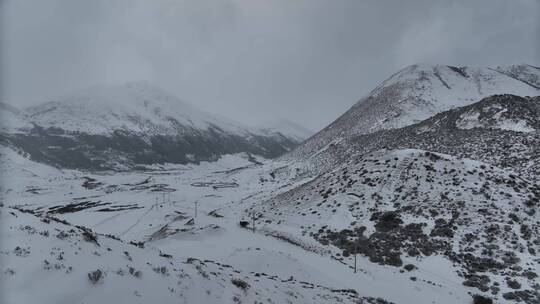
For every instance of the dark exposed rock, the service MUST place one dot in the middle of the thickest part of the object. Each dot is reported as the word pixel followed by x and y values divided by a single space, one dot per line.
pixel 95 276
pixel 527 296
pixel 409 267
pixel 479 299
pixel 479 281
pixel 513 283
pixel 240 283
pixel 442 229
pixel 385 247
pixel 387 221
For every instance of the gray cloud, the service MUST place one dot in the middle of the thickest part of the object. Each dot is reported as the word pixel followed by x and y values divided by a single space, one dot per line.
pixel 253 60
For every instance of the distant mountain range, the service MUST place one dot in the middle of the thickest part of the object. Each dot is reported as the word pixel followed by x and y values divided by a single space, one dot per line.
pixel 125 126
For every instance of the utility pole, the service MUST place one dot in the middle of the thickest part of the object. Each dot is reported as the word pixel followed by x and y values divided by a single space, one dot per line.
pixel 356 248
pixel 196 209
pixel 355 259
pixel 253 220
pixel 357 241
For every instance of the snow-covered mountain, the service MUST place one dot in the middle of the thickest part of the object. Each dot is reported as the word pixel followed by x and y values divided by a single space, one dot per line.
pixel 438 163
pixel 501 130
pixel 427 191
pixel 288 128
pixel 420 91
pixel 122 126
pixel 523 72
pixel 408 208
pixel 135 107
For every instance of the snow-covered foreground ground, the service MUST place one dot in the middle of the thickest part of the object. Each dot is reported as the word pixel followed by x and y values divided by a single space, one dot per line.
pixel 170 215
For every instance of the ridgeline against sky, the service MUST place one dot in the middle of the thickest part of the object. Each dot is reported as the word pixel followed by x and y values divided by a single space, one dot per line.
pixel 307 61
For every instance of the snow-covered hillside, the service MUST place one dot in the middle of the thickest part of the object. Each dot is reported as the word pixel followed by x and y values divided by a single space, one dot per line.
pixel 12 120
pixel 523 72
pixel 420 91
pixel 125 126
pixel 502 130
pixel 46 260
pixel 288 128
pixel 405 207
pixel 135 107
pixel 425 192
pixel 69 236
pixel 141 108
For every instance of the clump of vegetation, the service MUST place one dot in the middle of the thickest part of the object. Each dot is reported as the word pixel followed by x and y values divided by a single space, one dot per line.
pixel 240 284
pixel 478 299
pixel 135 273
pixel 95 276
pixel 409 267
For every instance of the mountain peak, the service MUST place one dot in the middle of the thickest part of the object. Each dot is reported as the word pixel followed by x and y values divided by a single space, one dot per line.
pixel 420 91
pixel 135 106
pixel 121 126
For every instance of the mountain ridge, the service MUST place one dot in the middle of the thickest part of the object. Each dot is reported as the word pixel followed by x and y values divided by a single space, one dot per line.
pixel 418 92
pixel 501 130
pixel 125 126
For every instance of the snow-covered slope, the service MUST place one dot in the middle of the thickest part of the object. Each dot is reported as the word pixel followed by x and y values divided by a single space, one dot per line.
pixel 155 209
pixel 125 126
pixel 426 227
pixel 12 120
pixel 9 108
pixel 503 130
pixel 288 128
pixel 399 207
pixel 524 72
pixel 46 260
pixel 421 91
pixel 70 236
pixel 135 107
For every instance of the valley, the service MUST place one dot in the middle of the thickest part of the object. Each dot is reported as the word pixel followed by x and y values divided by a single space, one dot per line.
pixel 153 214
pixel 425 191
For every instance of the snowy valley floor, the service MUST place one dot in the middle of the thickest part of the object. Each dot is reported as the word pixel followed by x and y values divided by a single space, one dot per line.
pixel 210 258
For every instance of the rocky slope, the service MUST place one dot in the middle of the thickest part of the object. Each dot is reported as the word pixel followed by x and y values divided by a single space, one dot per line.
pixel 438 204
pixel 122 127
pixel 420 91
pixel 71 236
pixel 503 130
pixel 438 163
pixel 403 207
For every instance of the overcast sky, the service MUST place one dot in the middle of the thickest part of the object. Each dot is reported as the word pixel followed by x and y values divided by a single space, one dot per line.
pixel 252 60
